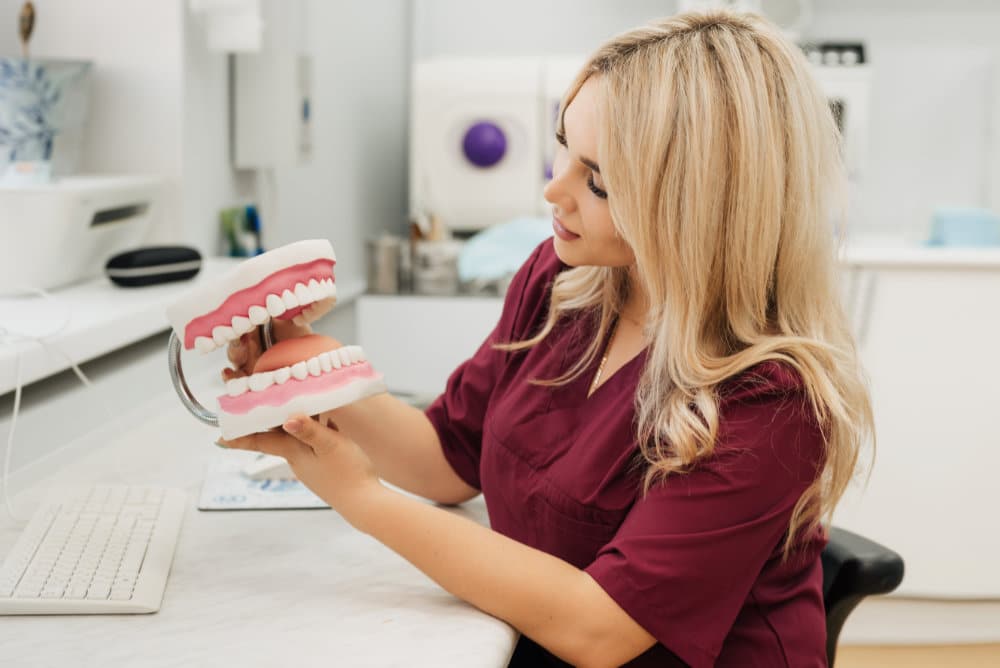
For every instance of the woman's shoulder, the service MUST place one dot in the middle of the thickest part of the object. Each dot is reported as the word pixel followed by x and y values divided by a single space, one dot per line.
pixel 765 413
pixel 540 269
pixel 764 380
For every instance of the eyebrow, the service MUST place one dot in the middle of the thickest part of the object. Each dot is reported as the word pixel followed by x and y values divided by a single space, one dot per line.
pixel 561 138
pixel 590 163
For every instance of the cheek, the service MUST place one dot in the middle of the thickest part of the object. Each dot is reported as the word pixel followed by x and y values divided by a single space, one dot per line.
pixel 603 236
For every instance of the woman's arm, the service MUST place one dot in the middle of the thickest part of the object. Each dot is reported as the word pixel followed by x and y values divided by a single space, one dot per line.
pixel 404 447
pixel 551 601
pixel 547 599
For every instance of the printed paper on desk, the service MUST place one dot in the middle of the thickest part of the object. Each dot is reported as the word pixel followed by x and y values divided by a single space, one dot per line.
pixel 227 488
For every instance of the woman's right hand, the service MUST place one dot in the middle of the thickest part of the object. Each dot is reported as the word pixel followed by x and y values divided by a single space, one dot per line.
pixel 244 352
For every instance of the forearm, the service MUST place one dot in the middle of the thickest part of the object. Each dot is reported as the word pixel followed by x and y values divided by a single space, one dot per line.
pixel 403 445
pixel 551 601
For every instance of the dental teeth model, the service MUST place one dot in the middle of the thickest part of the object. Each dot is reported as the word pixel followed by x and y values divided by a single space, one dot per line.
pixel 309 374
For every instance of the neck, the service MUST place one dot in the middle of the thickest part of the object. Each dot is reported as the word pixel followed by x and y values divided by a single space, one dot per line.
pixel 636 305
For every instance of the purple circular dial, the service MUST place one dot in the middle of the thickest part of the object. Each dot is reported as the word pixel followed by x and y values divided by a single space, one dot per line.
pixel 484 144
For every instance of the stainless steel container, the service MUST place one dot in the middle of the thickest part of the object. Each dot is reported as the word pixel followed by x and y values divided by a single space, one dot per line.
pixel 383 264
pixel 435 267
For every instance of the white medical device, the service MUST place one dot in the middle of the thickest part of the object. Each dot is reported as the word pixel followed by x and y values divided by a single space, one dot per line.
pixel 478 138
pixel 58 233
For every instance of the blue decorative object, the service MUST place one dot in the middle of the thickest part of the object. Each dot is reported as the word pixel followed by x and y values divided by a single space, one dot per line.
pixel 957 226
pixel 500 250
pixel 484 144
pixel 39 102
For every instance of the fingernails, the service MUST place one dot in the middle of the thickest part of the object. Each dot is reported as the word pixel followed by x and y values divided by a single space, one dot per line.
pixel 292 425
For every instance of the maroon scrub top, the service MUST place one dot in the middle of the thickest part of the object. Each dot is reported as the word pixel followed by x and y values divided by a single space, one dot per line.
pixel 697 561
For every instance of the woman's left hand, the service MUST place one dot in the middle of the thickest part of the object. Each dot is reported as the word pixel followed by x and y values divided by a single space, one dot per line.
pixel 333 466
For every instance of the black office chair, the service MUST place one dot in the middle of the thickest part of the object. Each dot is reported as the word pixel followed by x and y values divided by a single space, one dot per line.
pixel 853 568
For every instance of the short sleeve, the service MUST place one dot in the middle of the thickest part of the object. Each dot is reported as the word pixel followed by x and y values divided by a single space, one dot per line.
pixel 459 413
pixel 684 560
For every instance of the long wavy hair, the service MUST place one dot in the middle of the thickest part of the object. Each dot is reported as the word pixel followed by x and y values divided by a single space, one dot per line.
pixel 723 164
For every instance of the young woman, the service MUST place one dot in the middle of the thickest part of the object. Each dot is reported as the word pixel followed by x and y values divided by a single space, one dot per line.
pixel 671 401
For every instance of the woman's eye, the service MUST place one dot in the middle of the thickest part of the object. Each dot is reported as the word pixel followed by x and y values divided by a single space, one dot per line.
pixel 594 189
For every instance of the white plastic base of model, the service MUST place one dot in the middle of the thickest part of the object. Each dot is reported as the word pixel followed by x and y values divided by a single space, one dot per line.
pixel 207 298
pixel 263 418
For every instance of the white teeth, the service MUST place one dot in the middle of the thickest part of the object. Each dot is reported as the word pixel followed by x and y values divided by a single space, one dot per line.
pixel 314 366
pixel 241 325
pixel 303 294
pixel 222 335
pixel 361 354
pixel 316 290
pixel 290 300
pixel 258 315
pixel 236 386
pixel 203 344
pixel 324 362
pixel 261 381
pixel 275 306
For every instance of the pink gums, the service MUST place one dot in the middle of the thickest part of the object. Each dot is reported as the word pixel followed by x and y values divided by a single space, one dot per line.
pixel 239 302
pixel 276 395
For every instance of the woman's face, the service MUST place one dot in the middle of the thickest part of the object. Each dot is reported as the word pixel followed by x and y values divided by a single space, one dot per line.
pixel 584 234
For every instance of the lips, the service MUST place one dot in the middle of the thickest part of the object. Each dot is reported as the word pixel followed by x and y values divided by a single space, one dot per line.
pixel 561 230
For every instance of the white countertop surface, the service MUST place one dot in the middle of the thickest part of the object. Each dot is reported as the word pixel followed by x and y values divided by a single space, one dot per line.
pixel 915 256
pixel 248 588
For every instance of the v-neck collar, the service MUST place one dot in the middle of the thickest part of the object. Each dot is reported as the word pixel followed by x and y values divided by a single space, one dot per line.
pixel 588 378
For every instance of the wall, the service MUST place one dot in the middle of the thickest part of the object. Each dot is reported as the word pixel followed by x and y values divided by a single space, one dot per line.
pixel 934 66
pixel 355 185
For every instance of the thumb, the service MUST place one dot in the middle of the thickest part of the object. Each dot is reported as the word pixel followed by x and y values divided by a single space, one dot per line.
pixel 311 432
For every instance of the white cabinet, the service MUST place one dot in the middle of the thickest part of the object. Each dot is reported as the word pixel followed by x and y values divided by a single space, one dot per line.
pixel 416 341
pixel 928 323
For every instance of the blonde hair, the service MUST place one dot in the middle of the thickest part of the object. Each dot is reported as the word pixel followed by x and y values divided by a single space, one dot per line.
pixel 723 164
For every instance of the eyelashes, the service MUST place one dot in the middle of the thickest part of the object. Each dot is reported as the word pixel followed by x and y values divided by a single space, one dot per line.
pixel 594 189
pixel 561 138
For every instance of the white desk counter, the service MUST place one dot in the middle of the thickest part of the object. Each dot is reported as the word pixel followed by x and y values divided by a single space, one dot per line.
pixel 249 588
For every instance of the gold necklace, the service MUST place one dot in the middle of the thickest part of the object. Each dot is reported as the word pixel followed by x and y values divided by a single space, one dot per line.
pixel 604 359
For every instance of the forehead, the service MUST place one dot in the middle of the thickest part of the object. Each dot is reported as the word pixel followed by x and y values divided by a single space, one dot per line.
pixel 581 121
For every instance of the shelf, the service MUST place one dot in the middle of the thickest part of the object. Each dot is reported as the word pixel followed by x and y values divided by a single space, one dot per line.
pixel 917 257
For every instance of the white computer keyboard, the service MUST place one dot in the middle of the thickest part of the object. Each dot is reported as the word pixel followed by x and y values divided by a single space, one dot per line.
pixel 101 549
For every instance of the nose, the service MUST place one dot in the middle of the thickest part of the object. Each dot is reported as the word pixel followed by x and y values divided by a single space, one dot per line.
pixel 556 192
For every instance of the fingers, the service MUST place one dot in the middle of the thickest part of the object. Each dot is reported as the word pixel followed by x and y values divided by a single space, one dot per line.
pixel 243 353
pixel 269 442
pixel 312 432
